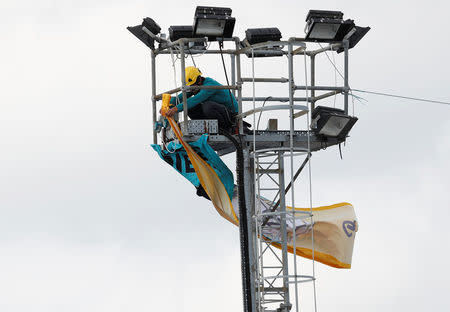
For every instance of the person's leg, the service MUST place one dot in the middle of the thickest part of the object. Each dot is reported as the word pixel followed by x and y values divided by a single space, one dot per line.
pixel 213 110
pixel 196 112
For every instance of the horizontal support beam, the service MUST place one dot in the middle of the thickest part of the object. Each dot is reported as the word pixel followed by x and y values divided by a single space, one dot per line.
pixel 322 88
pixel 282 80
pixel 299 114
pixel 188 88
pixel 330 47
pixel 326 95
pixel 275 99
pixel 159 96
pixel 194 51
pixel 180 42
pixel 270 108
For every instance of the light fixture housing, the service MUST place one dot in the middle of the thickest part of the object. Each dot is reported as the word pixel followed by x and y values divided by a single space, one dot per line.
pixel 152 26
pixel 178 32
pixel 327 26
pixel 359 33
pixel 331 122
pixel 258 35
pixel 213 22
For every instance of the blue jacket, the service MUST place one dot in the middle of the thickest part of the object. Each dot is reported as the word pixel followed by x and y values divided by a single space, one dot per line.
pixel 221 96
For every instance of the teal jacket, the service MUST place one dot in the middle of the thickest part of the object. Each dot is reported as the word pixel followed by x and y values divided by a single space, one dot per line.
pixel 221 96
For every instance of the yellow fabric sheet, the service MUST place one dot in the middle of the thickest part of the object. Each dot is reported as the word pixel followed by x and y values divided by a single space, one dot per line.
pixel 334 226
pixel 207 176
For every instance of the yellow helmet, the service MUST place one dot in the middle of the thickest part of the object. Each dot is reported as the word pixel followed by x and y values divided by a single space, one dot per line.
pixel 192 74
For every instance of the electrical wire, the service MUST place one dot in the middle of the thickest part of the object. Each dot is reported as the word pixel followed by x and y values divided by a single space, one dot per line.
pixel 190 53
pixel 225 70
pixel 260 113
pixel 384 94
pixel 339 72
pixel 402 97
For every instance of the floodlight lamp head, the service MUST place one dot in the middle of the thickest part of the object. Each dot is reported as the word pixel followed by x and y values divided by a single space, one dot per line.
pixel 139 33
pixel 327 26
pixel 213 22
pixel 355 37
pixel 257 35
pixel 331 122
pixel 178 32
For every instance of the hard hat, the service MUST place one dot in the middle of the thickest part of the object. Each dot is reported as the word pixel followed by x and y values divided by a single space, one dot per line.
pixel 192 74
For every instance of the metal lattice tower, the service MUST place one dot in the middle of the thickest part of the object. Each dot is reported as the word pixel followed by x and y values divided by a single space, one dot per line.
pixel 273 275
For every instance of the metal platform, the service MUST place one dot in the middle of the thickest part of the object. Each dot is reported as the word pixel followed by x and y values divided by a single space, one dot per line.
pixel 268 140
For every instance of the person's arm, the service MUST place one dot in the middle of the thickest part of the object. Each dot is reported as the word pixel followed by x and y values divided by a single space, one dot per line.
pixel 200 97
pixel 173 99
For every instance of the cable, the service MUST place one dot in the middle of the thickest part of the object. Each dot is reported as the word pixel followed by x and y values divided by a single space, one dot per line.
pixel 260 113
pixel 193 62
pixel 402 97
pixel 338 71
pixel 243 229
pixel 225 70
pixel 384 94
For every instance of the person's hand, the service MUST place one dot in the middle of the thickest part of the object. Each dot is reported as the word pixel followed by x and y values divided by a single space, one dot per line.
pixel 172 111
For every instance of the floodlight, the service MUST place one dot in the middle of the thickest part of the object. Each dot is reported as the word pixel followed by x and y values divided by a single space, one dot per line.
pixel 327 26
pixel 213 22
pixel 359 33
pixel 257 35
pixel 152 26
pixel 178 32
pixel 331 122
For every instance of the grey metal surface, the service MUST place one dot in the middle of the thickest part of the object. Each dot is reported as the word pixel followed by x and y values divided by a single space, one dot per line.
pixel 320 88
pixel 183 85
pixel 282 80
pixel 200 127
pixel 251 226
pixel 346 76
pixel 271 108
pixel 268 140
pixel 273 99
pixel 155 137
pixel 313 81
pixel 284 242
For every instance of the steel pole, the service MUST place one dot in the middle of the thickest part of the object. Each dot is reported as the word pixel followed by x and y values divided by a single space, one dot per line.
pixel 155 137
pixel 284 253
pixel 251 226
pixel 183 90
pixel 233 72
pixel 239 85
pixel 313 81
pixel 346 76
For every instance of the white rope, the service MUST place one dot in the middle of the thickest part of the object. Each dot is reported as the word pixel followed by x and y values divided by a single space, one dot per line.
pixel 385 94
pixel 254 125
pixel 340 74
pixel 174 74
pixel 402 97
pixel 310 189
pixel 291 143
pixel 335 80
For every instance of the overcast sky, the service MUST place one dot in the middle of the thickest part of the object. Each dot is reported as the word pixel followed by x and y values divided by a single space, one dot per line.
pixel 92 220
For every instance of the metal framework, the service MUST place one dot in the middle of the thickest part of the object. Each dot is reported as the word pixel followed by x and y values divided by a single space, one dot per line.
pixel 266 153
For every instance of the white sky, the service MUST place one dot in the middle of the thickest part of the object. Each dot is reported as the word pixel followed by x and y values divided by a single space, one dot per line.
pixel 92 220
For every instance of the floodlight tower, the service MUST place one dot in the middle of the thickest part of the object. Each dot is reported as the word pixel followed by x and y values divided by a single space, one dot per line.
pixel 269 282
